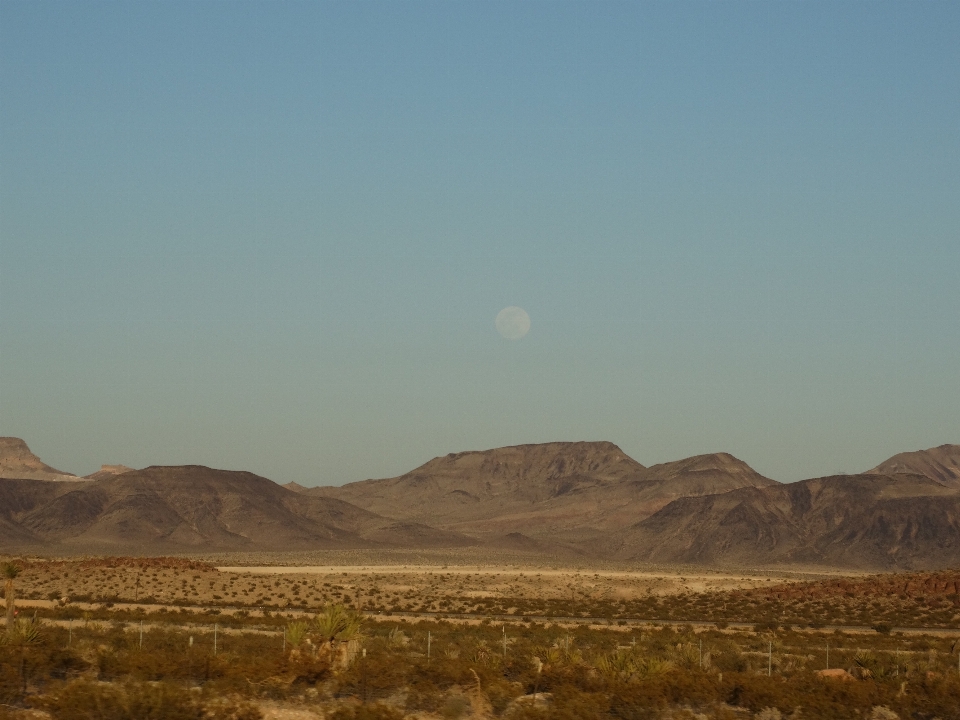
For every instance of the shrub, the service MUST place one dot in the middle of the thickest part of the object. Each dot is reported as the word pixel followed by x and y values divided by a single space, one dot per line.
pixel 366 712
pixel 87 700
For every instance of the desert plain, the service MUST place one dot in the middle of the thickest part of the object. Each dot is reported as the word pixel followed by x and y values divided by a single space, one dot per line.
pixel 554 581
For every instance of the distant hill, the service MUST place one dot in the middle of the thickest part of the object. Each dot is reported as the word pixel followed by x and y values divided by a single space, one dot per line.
pixel 584 498
pixel 107 471
pixel 940 463
pixel 869 520
pixel 193 508
pixel 469 486
pixel 16 461
pixel 692 477
pixel 565 493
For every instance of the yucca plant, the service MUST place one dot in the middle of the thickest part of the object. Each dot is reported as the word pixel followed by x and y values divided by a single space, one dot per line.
pixel 337 623
pixel 23 633
pixel 398 638
pixel 620 665
pixel 296 634
pixel 21 636
pixel 655 666
pixel 10 571
pixel 871 667
pixel 339 630
pixel 626 665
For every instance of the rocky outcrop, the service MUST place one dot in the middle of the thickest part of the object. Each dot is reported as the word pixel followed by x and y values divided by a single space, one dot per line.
pixel 941 464
pixel 17 462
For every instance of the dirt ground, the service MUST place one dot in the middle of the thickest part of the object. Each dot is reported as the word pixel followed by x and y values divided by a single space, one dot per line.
pixel 392 583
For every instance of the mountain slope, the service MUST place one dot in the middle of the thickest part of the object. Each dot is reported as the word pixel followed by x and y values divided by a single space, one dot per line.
pixel 869 520
pixel 567 493
pixel 940 463
pixel 708 475
pixel 107 471
pixel 191 507
pixel 691 477
pixel 471 486
pixel 17 462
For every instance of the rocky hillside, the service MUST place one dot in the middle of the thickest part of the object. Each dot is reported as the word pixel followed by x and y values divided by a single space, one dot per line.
pixel 107 471
pixel 16 461
pixel 473 485
pixel 940 463
pixel 555 493
pixel 193 508
pixel 866 521
pixel 587 498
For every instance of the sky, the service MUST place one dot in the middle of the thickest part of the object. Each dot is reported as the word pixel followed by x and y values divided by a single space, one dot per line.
pixel 274 236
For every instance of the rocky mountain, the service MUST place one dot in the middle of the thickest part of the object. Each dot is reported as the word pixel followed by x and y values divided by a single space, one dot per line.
pixel 107 471
pixel 16 461
pixel 691 477
pixel 192 508
pixel 708 475
pixel 470 486
pixel 869 520
pixel 940 463
pixel 587 498
pixel 566 493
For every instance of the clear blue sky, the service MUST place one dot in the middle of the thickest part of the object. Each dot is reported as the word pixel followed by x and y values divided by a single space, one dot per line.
pixel 274 236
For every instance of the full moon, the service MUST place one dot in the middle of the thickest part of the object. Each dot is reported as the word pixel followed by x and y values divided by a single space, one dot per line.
pixel 513 323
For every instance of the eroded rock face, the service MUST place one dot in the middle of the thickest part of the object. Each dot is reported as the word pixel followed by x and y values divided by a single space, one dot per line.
pixel 941 464
pixel 17 462
pixel 540 491
pixel 564 493
pixel 858 521
pixel 107 471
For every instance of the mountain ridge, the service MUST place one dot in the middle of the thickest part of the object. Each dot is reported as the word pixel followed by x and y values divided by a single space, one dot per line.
pixel 587 498
pixel 866 520
pixel 194 507
pixel 941 463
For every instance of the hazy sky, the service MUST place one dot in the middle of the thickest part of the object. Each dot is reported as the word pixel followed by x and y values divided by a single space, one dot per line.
pixel 274 236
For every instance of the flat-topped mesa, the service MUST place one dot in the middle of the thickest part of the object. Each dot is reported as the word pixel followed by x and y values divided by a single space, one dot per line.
pixel 600 461
pixel 941 464
pixel 108 471
pixel 465 485
pixel 17 462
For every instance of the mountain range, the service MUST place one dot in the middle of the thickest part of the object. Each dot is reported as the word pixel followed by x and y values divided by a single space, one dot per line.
pixel 587 498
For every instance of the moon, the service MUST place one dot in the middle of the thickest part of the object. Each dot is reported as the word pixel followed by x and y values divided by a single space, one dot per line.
pixel 513 322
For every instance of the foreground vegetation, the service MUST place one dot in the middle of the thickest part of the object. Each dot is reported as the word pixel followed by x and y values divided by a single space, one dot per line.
pixel 71 660
pixel 334 664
